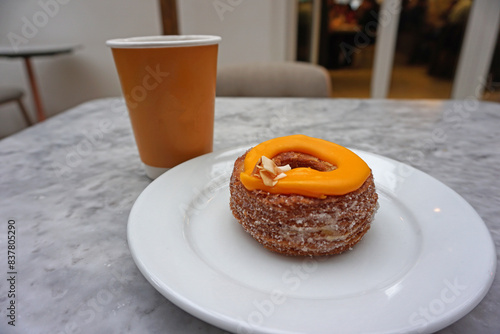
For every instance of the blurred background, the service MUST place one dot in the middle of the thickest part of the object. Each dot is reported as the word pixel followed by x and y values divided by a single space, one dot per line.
pixel 340 35
pixel 428 44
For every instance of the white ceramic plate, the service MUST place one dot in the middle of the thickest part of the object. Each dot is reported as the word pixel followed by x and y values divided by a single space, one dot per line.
pixel 426 262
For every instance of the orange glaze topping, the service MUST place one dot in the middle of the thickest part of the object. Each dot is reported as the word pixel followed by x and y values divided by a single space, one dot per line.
pixel 350 174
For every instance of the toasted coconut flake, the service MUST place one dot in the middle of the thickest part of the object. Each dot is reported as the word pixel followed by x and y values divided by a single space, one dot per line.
pixel 267 178
pixel 268 164
pixel 284 168
pixel 280 176
pixel 269 172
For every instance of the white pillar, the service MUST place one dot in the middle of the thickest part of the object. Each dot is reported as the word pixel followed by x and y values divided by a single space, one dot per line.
pixel 384 48
pixel 315 31
pixel 477 49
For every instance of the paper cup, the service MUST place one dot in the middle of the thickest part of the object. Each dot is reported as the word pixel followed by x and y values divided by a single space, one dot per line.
pixel 169 87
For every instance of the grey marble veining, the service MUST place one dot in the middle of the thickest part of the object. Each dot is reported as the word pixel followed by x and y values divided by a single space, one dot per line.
pixel 69 184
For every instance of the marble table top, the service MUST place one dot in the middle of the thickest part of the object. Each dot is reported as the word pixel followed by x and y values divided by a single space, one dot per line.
pixel 69 183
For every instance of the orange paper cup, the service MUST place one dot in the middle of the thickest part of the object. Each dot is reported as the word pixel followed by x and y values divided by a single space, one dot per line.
pixel 169 87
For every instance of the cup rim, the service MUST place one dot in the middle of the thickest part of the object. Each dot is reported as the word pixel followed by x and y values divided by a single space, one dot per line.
pixel 162 41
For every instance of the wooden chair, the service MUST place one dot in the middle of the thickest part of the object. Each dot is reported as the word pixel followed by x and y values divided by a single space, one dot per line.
pixel 11 94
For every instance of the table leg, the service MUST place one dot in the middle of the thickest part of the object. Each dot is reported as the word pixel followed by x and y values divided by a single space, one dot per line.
pixel 34 90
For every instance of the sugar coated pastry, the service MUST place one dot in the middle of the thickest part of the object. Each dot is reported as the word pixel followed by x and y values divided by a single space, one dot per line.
pixel 298 195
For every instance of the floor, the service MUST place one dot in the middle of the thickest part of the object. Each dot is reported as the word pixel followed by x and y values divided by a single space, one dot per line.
pixel 408 81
